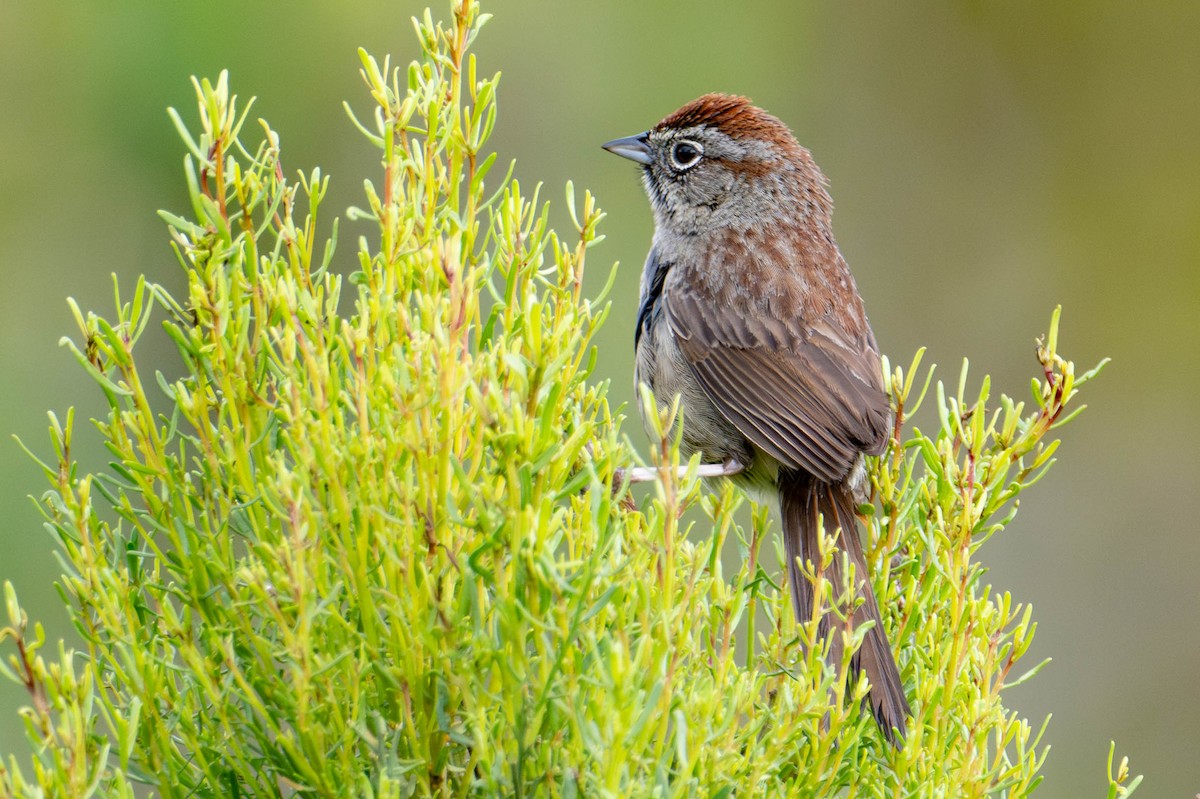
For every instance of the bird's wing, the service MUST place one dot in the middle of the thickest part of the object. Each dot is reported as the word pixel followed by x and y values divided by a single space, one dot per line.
pixel 806 392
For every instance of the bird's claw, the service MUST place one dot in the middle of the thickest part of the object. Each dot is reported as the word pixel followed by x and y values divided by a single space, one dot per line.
pixel 646 474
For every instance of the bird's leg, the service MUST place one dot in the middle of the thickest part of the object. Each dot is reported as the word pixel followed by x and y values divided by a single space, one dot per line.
pixel 646 474
pixel 727 469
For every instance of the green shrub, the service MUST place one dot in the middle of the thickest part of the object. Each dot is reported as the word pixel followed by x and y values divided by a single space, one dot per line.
pixel 383 551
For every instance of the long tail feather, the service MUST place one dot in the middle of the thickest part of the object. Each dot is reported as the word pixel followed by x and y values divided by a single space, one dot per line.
pixel 802 498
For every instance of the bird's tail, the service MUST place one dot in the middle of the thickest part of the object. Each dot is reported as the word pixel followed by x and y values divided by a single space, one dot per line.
pixel 802 498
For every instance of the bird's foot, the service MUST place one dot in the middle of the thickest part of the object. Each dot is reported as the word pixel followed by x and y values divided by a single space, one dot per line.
pixel 646 474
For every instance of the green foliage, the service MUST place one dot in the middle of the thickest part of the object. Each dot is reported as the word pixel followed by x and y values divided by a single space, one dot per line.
pixel 385 551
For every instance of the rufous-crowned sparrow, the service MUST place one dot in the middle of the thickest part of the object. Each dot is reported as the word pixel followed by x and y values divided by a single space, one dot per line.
pixel 749 313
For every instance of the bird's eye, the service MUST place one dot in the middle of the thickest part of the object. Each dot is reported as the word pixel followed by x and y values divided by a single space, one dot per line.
pixel 686 154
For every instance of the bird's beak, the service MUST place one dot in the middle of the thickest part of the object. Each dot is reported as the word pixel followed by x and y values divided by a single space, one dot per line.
pixel 635 148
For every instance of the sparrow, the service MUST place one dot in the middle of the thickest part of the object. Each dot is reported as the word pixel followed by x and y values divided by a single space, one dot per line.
pixel 749 314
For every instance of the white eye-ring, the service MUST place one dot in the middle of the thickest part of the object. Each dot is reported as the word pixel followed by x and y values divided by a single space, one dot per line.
pixel 686 153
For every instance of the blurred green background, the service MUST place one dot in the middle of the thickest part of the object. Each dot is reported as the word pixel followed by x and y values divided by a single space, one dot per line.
pixel 988 161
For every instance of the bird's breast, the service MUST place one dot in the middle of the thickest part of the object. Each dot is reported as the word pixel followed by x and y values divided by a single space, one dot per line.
pixel 661 365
